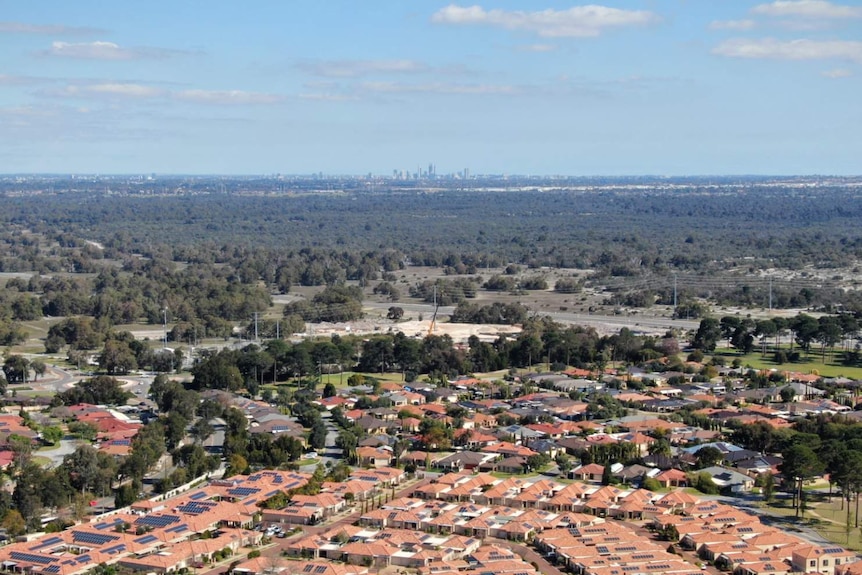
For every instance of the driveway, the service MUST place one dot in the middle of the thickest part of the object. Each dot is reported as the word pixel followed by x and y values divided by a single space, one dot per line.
pixel 56 455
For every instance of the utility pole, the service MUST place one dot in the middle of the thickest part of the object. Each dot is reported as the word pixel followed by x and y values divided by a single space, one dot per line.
pixel 277 330
pixel 770 293
pixel 674 294
pixel 165 317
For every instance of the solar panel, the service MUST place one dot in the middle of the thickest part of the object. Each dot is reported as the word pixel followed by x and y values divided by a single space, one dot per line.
pixel 31 558
pixel 52 569
pixel 157 520
pixel 833 550
pixel 243 491
pixel 85 558
pixel 196 507
pixel 146 539
pixel 177 528
pixel 308 568
pixel 93 538
pixel 115 549
pixel 46 543
pixel 320 569
pixel 273 492
pixel 198 495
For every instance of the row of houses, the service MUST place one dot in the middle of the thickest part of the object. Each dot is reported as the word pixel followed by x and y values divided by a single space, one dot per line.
pixel 157 536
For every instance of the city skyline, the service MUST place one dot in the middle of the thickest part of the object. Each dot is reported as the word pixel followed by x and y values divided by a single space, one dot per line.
pixel 652 87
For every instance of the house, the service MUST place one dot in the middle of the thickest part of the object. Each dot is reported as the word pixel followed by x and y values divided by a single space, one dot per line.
pixel 592 472
pixel 514 464
pixel 374 456
pixel 727 478
pixel 815 559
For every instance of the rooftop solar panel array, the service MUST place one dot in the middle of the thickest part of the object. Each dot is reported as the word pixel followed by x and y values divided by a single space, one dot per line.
pixel 243 491
pixel 177 528
pixel 106 524
pixel 92 538
pixel 47 543
pixel 157 520
pixel 31 558
pixel 85 558
pixel 115 549
pixel 52 569
pixel 146 539
pixel 196 507
pixel 198 495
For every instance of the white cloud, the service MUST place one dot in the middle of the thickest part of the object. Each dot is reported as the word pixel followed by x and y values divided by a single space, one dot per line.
pixel 47 29
pixel 100 50
pixel 90 51
pixel 577 22
pixel 9 80
pixel 355 68
pixel 836 73
pixel 229 97
pixel 125 90
pixel 770 48
pixel 438 88
pixel 818 9
pixel 731 25
pixel 537 48
pixel 326 97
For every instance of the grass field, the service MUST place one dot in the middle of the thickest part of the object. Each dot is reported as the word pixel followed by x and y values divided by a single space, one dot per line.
pixel 826 516
pixel 809 364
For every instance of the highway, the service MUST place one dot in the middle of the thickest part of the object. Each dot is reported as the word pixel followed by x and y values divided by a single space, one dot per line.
pixel 633 322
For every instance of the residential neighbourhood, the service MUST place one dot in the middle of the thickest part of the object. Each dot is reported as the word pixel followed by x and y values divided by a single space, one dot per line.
pixel 446 482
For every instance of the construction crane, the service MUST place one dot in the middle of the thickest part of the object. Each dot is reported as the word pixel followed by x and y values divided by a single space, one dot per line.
pixel 434 317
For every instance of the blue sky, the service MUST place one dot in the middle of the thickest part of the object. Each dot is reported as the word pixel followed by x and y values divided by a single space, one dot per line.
pixel 670 87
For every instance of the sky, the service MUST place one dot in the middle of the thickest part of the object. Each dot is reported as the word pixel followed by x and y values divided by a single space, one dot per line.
pixel 539 87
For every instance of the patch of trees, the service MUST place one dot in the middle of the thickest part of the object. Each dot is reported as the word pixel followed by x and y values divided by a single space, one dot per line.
pixel 445 291
pixel 336 303
pixel 99 390
pixel 802 330
pixel 495 313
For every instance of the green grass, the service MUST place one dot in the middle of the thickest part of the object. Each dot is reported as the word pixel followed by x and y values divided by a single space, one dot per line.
pixel 40 460
pixel 825 516
pixel 340 379
pixel 809 364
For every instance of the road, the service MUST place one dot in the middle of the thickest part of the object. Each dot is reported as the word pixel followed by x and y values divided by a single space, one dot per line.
pixel 633 322
pixel 528 554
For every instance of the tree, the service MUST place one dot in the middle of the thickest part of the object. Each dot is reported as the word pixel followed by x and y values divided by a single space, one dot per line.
pixel 787 394
pixel 237 465
pixel 607 477
pixel 766 482
pixel 317 438
pixel 329 390
pixel 799 464
pixel 52 434
pixel 117 357
pixel 704 483
pixel 708 456
pixel 201 430
pixel 395 313
pixel 348 443
pixel 16 368
pixel 707 335
pixel 14 523
pixel 39 367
